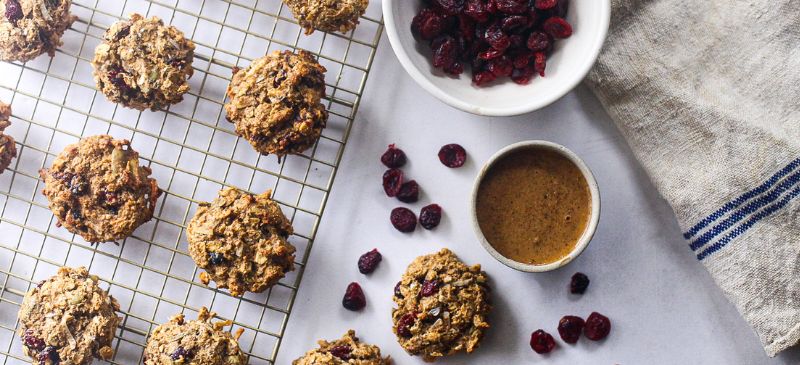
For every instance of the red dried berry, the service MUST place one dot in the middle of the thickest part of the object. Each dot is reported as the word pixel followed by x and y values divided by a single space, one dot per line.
pixel 570 327
pixel 597 327
pixel 405 323
pixel 542 342
pixel 538 41
pixel 557 27
pixel 115 76
pixel 397 292
pixel 403 219
pixel 427 24
pixel 409 192
pixel 354 298
pixel 539 63
pixel 181 353
pixel 514 23
pixel 512 6
pixel 579 283
pixel 445 51
pixel 476 9
pixel 490 54
pixel 500 67
pixel 343 352
pixel 393 157
pixel 496 38
pixel 524 75
pixel 392 181
pixel 429 287
pixel 545 4
pixel 453 155
pixel 369 261
pixel 455 69
pixel 430 216
pixel 32 342
pixel 13 11
pixel 451 7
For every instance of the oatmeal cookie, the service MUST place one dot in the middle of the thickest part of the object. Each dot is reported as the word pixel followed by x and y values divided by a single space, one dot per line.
pixel 29 28
pixel 198 342
pixel 347 350
pixel 97 189
pixel 68 319
pixel 442 306
pixel 143 63
pixel 327 15
pixel 275 102
pixel 8 149
pixel 240 240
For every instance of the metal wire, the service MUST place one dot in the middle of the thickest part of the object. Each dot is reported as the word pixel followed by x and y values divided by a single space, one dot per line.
pixel 193 152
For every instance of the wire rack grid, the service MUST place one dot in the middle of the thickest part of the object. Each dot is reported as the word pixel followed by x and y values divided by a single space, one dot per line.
pixel 192 151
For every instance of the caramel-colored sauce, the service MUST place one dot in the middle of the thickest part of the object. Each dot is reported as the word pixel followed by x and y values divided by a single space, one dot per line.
pixel 533 205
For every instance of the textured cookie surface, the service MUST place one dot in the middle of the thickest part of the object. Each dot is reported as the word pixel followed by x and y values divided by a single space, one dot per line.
pixel 97 189
pixel 198 342
pixel 275 102
pixel 68 319
pixel 344 351
pixel 29 28
pixel 143 63
pixel 327 15
pixel 240 240
pixel 8 150
pixel 442 306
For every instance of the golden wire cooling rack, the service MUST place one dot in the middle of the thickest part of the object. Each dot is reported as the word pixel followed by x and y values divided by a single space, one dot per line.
pixel 193 152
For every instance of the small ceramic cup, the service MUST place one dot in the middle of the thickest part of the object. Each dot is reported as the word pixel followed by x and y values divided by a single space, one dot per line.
pixel 591 226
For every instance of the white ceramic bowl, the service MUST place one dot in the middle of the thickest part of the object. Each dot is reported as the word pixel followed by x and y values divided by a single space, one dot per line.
pixel 568 65
pixel 591 226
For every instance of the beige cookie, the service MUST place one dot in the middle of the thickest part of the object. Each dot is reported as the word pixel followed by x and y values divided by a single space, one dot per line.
pixel 143 63
pixel 8 149
pixel 275 102
pixel 442 306
pixel 346 350
pixel 198 342
pixel 327 15
pixel 97 189
pixel 68 319
pixel 32 27
pixel 240 240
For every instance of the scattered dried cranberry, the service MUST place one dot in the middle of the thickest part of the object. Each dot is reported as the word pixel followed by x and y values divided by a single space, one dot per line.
pixel 570 327
pixel 597 327
pixel 538 41
pixel 392 181
pixel 403 219
pixel 545 4
pixel 49 353
pixel 579 283
pixel 409 192
pixel 452 155
pixel 539 63
pixel 354 298
pixel 32 342
pixel 180 353
pixel 343 352
pixel 429 287
pixel 557 27
pixel 369 261
pixel 397 292
pixel 393 157
pixel 405 323
pixel 483 78
pixel 216 258
pixel 13 11
pixel 451 7
pixel 542 342
pixel 430 216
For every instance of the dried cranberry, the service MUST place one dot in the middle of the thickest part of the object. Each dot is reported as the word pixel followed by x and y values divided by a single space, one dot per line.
pixel 512 6
pixel 392 181
pixel 522 59
pixel 451 7
pixel 393 157
pixel 570 327
pixel 216 258
pixel 409 192
pixel 32 342
pixel 445 51
pixel 514 23
pixel 476 9
pixel 542 342
pixel 496 38
pixel 403 219
pixel 579 283
pixel 539 63
pixel 452 155
pixel 180 354
pixel 397 292
pixel 545 4
pixel 427 24
pixel 49 353
pixel 490 54
pixel 405 323
pixel 343 352
pixel 455 69
pixel 597 327
pixel 538 41
pixel 429 287
pixel 500 67
pixel 557 27
pixel 523 75
pixel 115 76
pixel 430 216
pixel 369 261
pixel 354 298
pixel 13 11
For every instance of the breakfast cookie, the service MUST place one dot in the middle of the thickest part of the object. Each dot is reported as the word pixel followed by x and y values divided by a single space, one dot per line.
pixel 442 306
pixel 327 15
pixel 68 319
pixel 143 63
pixel 32 27
pixel 240 240
pixel 8 149
pixel 198 342
pixel 347 350
pixel 97 189
pixel 275 102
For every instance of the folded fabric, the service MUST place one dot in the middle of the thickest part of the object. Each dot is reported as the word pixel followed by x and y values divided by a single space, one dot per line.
pixel 707 94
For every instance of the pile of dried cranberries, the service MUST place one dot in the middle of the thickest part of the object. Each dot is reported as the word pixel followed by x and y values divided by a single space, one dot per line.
pixel 497 38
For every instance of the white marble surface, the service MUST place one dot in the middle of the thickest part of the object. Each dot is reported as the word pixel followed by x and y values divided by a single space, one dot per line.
pixel 664 307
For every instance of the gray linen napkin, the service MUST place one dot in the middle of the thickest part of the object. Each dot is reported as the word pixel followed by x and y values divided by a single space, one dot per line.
pixel 707 94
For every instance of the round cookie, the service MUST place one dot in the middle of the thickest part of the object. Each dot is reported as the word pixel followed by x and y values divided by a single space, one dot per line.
pixel 68 319
pixel 442 306
pixel 143 63
pixel 240 240
pixel 8 149
pixel 29 28
pixel 194 342
pixel 97 189
pixel 346 350
pixel 275 102
pixel 327 15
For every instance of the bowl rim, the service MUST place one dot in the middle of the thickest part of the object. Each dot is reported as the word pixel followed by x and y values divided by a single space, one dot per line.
pixel 422 80
pixel 589 231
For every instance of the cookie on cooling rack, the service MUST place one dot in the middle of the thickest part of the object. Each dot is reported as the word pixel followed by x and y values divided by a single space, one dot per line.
pixel 239 239
pixel 193 342
pixel 442 306
pixel 29 28
pixel 97 189
pixel 68 319
pixel 143 63
pixel 8 150
pixel 275 102
pixel 327 15
pixel 346 350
